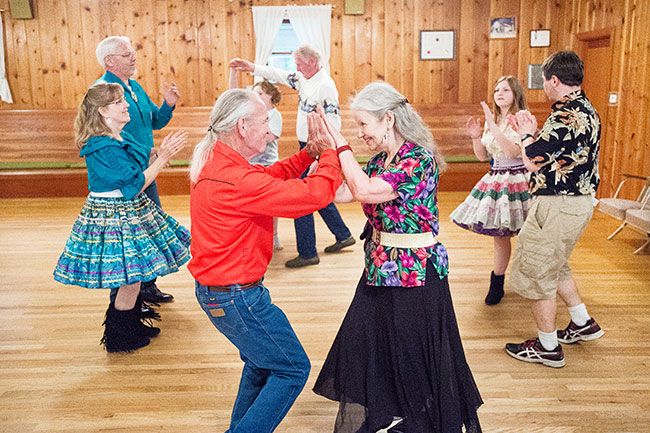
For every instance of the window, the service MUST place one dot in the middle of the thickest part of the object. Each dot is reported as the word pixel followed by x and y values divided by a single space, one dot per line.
pixel 285 44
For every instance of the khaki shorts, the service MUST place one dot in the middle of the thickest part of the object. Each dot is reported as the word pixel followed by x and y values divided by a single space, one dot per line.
pixel 546 240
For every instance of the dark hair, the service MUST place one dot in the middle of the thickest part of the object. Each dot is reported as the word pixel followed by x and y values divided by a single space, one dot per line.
pixel 566 66
pixel 270 90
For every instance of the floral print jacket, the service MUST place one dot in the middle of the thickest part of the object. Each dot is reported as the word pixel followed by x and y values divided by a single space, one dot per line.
pixel 567 149
pixel 413 174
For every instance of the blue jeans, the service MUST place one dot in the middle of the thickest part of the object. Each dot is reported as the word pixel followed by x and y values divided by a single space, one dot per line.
pixel 306 231
pixel 276 366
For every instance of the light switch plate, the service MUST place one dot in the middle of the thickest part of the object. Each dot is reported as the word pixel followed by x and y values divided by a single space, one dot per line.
pixel 613 98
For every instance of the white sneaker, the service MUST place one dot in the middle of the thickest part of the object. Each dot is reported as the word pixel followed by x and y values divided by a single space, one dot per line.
pixel 396 420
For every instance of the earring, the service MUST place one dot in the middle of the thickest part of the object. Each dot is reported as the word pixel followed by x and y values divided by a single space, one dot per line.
pixel 109 121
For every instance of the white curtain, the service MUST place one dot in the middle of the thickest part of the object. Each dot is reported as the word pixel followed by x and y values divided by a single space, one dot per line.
pixel 5 93
pixel 266 23
pixel 313 26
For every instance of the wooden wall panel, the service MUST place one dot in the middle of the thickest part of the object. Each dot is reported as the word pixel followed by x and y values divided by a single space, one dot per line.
pixel 51 59
pixel 503 52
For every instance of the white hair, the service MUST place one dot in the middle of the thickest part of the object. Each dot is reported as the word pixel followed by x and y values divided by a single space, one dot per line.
pixel 379 97
pixel 307 52
pixel 232 105
pixel 109 46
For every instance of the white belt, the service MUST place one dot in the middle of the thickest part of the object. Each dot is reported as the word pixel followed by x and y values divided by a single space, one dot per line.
pixel 404 240
pixel 110 194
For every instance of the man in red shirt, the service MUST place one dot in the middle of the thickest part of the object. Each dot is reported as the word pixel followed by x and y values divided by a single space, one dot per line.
pixel 232 205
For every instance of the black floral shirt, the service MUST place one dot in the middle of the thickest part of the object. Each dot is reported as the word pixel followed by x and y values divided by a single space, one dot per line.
pixel 567 149
pixel 413 174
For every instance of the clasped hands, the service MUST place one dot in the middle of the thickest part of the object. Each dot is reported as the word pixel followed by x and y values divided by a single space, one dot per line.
pixel 321 134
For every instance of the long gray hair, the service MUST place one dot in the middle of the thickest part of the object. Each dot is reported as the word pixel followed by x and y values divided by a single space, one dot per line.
pixel 231 106
pixel 379 97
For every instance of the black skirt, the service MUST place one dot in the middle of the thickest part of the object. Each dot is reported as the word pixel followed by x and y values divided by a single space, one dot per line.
pixel 398 354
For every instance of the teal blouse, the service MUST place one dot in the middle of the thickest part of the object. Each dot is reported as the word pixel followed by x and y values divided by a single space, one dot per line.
pixel 145 116
pixel 112 165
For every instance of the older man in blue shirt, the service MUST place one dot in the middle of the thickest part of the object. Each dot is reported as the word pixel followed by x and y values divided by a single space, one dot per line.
pixel 118 58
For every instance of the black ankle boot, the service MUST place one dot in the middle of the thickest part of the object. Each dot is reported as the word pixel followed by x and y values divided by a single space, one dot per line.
pixel 144 316
pixel 496 289
pixel 121 333
pixel 147 312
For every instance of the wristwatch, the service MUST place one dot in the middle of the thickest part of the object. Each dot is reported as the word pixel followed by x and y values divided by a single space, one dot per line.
pixel 527 136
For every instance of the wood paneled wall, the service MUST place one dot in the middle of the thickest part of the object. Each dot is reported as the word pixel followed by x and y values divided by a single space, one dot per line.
pixel 50 59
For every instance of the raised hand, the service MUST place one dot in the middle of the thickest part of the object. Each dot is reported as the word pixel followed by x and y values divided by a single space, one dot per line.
pixel 527 123
pixel 171 93
pixel 331 131
pixel 512 121
pixel 489 116
pixel 242 65
pixel 317 139
pixel 171 145
pixel 474 129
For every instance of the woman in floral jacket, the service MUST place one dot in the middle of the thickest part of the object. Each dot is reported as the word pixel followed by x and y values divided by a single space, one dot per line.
pixel 397 363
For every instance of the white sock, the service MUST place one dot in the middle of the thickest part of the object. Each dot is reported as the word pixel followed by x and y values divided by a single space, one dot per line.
pixel 579 314
pixel 548 339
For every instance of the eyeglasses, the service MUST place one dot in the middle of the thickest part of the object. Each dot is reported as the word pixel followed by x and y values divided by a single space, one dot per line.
pixel 130 55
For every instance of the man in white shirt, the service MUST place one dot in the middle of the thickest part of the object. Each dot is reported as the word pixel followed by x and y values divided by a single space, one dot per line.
pixel 315 87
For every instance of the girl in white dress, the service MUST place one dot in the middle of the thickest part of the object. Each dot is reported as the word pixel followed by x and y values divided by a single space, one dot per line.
pixel 497 206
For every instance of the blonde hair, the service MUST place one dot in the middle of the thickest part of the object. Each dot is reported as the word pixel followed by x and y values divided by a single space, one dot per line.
pixel 89 122
pixel 232 105
pixel 379 97
pixel 518 97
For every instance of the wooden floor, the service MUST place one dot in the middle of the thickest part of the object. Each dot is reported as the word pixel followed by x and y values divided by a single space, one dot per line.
pixel 54 377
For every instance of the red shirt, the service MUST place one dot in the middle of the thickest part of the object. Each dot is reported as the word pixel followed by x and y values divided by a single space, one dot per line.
pixel 233 203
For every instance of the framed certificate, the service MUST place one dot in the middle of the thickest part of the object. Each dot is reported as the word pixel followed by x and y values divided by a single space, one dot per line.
pixel 540 38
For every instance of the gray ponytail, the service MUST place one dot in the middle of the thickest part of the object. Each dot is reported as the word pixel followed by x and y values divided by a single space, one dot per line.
pixel 231 106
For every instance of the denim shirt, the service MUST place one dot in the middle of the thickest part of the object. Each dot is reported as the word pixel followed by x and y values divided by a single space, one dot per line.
pixel 145 116
pixel 112 165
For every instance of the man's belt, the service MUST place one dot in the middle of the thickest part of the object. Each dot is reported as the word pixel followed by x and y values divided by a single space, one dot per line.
pixel 236 286
pixel 404 240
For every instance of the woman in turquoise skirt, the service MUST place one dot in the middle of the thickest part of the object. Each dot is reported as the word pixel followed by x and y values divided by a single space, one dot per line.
pixel 121 237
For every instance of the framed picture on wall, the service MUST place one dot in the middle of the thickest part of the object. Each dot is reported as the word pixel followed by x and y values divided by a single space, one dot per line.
pixel 535 77
pixel 540 38
pixel 437 45
pixel 503 28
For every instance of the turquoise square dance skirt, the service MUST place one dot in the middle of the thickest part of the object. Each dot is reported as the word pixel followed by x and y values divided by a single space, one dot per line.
pixel 117 241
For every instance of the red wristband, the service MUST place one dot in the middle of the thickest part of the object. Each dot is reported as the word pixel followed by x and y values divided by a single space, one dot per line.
pixel 342 149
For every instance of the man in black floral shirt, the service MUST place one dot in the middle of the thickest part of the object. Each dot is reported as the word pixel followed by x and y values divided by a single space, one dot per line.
pixel 563 160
